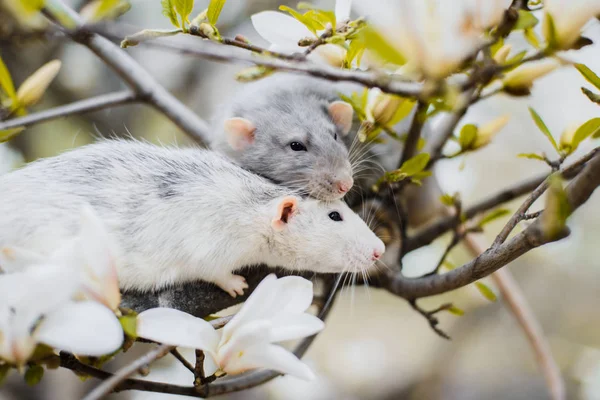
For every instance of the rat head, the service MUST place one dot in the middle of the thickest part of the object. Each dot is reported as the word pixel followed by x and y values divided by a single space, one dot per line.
pixel 295 142
pixel 313 235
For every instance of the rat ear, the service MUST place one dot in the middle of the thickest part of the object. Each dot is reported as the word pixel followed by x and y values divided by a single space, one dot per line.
pixel 286 207
pixel 341 113
pixel 240 133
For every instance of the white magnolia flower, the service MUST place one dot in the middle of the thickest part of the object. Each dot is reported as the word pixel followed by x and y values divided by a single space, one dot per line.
pixel 276 311
pixel 435 36
pixel 569 17
pixel 36 307
pixel 284 31
pixel 89 256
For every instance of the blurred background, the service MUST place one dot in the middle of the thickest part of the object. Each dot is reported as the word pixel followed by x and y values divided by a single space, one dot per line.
pixel 374 346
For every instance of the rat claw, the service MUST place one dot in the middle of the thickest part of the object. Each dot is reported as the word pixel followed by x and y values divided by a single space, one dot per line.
pixel 233 284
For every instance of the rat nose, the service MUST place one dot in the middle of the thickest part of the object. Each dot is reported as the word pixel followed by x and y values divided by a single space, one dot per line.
pixel 345 185
pixel 376 255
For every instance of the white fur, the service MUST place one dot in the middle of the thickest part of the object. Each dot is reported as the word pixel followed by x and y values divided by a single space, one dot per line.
pixel 177 215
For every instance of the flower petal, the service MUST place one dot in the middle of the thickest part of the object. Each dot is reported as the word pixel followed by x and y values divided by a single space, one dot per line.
pixel 272 357
pixel 294 294
pixel 84 328
pixel 342 10
pixel 280 29
pixel 174 327
pixel 14 259
pixel 290 327
pixel 247 335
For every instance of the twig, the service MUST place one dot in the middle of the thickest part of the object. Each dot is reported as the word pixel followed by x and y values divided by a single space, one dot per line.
pixel 138 79
pixel 199 377
pixel 182 360
pixel 320 41
pixel 519 307
pixel 430 316
pixel 79 107
pixel 414 132
pixel 427 235
pixel 111 383
pixel 577 192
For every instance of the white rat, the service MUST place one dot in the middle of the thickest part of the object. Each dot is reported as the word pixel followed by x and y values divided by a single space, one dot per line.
pixel 180 215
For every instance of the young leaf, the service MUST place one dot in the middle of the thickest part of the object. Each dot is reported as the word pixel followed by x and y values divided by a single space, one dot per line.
pixel 31 6
pixel 493 215
pixel 168 10
pixel 34 375
pixel 147 34
pixel 542 127
pixel 589 128
pixel 526 20
pixel 253 73
pixel 485 291
pixel 447 199
pixel 184 9
pixel 214 10
pixel 532 38
pixel 456 311
pixel 377 43
pixel 312 25
pixel 589 75
pixel 550 32
pixel 6 82
pixel 467 136
pixel 532 156
pixel 10 133
pixel 415 164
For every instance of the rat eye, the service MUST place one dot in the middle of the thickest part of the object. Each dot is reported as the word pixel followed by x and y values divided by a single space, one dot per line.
pixel 297 146
pixel 335 136
pixel 335 216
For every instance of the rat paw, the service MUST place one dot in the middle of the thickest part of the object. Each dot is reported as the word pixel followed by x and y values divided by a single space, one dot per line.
pixel 234 285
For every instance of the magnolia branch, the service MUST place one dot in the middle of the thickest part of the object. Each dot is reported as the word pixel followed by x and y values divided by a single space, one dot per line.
pixel 79 107
pixel 494 258
pixel 139 80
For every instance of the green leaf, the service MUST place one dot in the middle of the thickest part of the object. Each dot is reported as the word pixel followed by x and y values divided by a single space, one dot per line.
pixel 214 10
pixel 31 6
pixel 312 25
pixel 591 95
pixel 4 370
pixel 168 10
pixel 532 156
pixel 34 375
pixel 6 82
pixel 542 127
pixel 526 20
pixel 378 44
pixel 532 38
pixel 355 51
pixel 402 112
pixel 455 310
pixel 8 134
pixel 485 291
pixel 129 324
pixel 415 165
pixel 493 215
pixel 551 32
pixel 447 199
pixel 589 75
pixel 184 9
pixel 467 136
pixel 590 128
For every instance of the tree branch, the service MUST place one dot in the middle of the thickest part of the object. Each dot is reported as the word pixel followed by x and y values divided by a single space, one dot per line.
pixel 139 80
pixel 414 132
pixel 84 106
pixel 111 383
pixel 433 231
pixel 578 191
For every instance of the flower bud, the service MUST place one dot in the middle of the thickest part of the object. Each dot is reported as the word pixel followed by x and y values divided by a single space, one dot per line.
pixel 208 31
pixel 567 136
pixel 331 54
pixel 382 107
pixel 32 90
pixel 524 76
pixel 502 53
pixel 486 132
pixel 200 18
pixel 563 21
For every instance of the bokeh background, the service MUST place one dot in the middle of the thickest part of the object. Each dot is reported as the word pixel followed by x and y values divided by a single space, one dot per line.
pixel 375 346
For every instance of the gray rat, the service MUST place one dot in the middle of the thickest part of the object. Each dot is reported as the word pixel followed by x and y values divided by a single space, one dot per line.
pixel 291 131
pixel 179 215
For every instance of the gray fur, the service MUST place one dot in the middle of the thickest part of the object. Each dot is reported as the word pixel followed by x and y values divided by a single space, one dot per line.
pixel 284 109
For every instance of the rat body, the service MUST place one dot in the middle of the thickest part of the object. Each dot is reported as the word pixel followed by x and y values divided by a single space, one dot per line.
pixel 179 215
pixel 291 131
